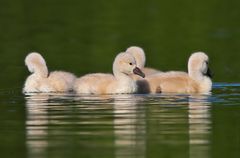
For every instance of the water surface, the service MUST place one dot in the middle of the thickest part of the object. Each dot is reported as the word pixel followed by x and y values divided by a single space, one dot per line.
pixel 161 125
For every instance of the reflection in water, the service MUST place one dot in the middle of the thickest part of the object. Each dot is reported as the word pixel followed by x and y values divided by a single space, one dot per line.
pixel 37 124
pixel 199 126
pixel 139 125
pixel 68 122
pixel 129 127
pixel 39 121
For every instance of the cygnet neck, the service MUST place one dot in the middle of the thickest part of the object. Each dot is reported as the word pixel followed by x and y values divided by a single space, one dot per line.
pixel 41 71
pixel 120 76
pixel 140 59
pixel 205 81
pixel 140 62
pixel 196 75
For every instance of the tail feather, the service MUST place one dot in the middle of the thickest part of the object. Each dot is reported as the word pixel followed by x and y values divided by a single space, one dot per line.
pixel 36 64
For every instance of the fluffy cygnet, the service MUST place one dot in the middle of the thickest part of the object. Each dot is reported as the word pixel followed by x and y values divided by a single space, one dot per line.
pixel 120 82
pixel 197 80
pixel 41 81
pixel 139 55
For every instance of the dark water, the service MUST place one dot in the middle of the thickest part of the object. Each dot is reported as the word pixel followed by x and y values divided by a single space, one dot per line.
pixel 84 36
pixel 164 125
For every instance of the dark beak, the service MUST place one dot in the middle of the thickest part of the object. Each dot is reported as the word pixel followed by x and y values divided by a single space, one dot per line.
pixel 139 72
pixel 209 73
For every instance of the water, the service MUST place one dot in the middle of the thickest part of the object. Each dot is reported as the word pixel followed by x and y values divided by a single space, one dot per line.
pixel 85 36
pixel 162 125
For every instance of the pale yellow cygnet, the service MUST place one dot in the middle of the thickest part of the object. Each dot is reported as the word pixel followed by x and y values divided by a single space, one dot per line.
pixel 140 57
pixel 42 81
pixel 197 80
pixel 120 82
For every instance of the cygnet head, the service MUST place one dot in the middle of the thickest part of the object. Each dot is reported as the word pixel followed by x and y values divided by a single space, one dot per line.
pixel 198 65
pixel 138 54
pixel 125 63
pixel 36 64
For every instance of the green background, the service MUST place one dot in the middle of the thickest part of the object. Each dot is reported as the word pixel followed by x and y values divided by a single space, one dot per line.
pixel 85 36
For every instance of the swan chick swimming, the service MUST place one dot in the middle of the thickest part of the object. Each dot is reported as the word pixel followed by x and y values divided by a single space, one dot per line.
pixel 197 80
pixel 140 57
pixel 119 82
pixel 41 80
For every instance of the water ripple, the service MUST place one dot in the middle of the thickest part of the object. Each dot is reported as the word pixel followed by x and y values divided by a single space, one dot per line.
pixel 126 124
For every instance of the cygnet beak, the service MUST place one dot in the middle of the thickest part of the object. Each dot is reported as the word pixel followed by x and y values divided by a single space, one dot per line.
pixel 139 72
pixel 209 73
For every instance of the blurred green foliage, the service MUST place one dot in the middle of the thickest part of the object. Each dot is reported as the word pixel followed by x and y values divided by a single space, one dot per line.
pixel 84 36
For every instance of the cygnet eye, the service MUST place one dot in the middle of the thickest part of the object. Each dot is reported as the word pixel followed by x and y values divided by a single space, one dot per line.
pixel 207 62
pixel 130 63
